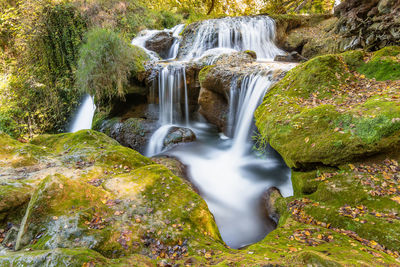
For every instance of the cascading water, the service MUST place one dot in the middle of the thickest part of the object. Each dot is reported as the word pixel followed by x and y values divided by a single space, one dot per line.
pixel 238 33
pixel 173 52
pixel 229 175
pixel 172 92
pixel 145 35
pixel 84 117
pixel 252 90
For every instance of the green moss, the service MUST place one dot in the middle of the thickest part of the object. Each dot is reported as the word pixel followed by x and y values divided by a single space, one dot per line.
pixel 55 257
pixel 203 72
pixel 383 65
pixel 13 195
pixel 314 76
pixel 353 59
pixel 342 189
pixel 138 62
pixel 389 51
pixel 251 53
pixel 307 135
pixel 381 70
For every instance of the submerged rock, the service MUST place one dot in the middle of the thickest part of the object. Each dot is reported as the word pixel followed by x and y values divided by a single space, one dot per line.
pixel 178 135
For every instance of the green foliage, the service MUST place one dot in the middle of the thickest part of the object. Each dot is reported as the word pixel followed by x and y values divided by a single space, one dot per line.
pixel 298 6
pixel 8 125
pixel 61 34
pixel 40 40
pixel 106 62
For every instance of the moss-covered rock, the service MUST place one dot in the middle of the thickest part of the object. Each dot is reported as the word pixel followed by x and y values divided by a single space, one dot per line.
pixel 133 132
pixel 383 65
pixel 113 207
pixel 55 257
pixel 324 113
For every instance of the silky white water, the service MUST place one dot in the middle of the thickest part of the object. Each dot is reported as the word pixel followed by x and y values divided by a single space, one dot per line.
pixel 84 116
pixel 230 176
pixel 238 33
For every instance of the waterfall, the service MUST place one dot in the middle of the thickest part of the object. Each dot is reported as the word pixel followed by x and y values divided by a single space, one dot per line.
pixel 251 92
pixel 171 83
pixel 173 104
pixel 173 52
pixel 84 117
pixel 238 33
pixel 228 174
pixel 145 35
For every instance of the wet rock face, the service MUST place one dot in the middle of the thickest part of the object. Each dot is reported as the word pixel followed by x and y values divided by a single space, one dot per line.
pixel 160 43
pixel 216 82
pixel 290 57
pixel 133 132
pixel 371 24
pixel 269 200
pixel 214 108
pixel 178 135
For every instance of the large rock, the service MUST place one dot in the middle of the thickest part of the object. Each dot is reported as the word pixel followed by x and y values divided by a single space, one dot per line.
pixel 214 108
pixel 371 24
pixel 323 113
pixel 160 43
pixel 133 132
pixel 98 195
pixel 227 74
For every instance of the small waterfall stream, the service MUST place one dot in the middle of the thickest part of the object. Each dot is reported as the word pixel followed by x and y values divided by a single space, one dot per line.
pixel 230 176
pixel 238 33
pixel 84 116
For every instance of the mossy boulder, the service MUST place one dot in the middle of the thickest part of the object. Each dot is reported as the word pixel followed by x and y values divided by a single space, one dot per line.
pixel 57 212
pixel 102 196
pixel 383 65
pixel 349 197
pixel 133 132
pixel 55 257
pixel 322 112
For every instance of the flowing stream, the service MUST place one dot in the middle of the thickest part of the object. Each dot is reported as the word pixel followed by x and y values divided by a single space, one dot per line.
pixel 84 116
pixel 229 174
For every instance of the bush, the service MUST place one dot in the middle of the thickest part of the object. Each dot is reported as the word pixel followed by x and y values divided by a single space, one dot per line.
pixel 106 63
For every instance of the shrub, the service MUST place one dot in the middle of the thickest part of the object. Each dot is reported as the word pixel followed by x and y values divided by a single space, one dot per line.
pixel 105 64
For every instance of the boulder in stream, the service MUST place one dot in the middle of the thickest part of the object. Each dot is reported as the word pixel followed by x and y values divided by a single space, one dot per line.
pixel 160 43
pixel 178 135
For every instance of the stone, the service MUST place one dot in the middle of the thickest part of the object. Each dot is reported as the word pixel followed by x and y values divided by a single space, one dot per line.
pixel 133 132
pixel 160 43
pixel 290 57
pixel 178 135
pixel 269 198
pixel 323 130
pixel 214 108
